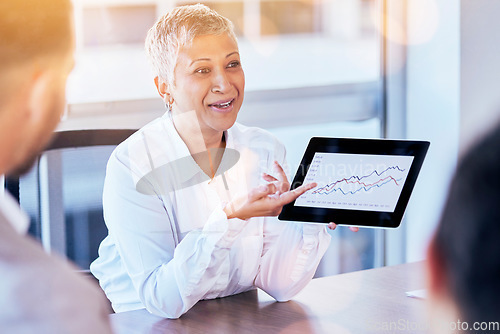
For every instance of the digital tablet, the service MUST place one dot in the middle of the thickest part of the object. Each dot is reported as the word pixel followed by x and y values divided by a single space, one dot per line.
pixel 360 182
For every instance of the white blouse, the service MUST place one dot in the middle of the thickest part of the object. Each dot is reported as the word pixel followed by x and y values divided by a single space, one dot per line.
pixel 170 246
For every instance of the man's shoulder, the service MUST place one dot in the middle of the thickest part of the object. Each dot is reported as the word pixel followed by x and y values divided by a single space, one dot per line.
pixel 43 287
pixel 23 251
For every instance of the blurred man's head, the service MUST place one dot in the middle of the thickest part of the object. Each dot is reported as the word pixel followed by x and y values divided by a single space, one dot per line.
pixel 36 56
pixel 464 257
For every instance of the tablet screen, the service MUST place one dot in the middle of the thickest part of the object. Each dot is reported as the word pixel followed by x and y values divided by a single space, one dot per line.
pixel 356 181
pixel 360 182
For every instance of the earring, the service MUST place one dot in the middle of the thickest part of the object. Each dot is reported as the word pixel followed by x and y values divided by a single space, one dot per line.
pixel 168 105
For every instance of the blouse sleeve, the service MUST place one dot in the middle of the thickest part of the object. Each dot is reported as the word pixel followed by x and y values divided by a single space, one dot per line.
pixel 291 252
pixel 169 279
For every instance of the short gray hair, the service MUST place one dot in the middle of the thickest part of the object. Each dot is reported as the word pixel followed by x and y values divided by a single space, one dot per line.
pixel 178 28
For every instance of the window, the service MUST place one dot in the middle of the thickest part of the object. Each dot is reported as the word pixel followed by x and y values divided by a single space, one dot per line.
pixel 284 44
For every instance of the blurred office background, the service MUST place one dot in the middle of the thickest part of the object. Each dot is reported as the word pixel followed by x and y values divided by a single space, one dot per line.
pixel 337 68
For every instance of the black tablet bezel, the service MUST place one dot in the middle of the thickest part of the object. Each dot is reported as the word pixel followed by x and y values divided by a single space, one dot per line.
pixel 417 149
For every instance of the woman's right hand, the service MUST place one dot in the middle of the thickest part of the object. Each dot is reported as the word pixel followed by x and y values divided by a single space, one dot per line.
pixel 266 200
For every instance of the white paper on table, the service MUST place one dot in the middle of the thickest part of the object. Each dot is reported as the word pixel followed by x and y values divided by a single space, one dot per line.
pixel 420 294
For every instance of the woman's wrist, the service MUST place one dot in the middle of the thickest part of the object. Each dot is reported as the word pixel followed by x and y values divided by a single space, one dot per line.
pixel 229 210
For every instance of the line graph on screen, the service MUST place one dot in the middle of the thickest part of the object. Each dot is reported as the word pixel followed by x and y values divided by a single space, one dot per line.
pixel 356 182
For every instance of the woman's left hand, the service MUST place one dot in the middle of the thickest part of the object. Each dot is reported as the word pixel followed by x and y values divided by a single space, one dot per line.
pixel 333 226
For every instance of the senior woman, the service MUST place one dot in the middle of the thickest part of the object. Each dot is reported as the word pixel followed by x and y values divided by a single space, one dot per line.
pixel 188 199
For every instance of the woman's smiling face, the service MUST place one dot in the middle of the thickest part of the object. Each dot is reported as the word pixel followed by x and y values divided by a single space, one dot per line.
pixel 209 79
